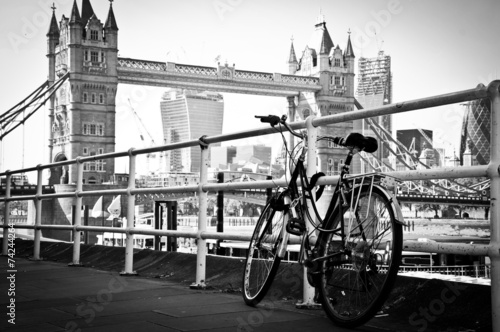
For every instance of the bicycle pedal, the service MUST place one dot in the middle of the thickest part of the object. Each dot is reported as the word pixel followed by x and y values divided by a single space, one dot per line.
pixel 295 226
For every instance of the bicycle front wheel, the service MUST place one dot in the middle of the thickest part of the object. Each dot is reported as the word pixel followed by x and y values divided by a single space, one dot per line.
pixel 262 260
pixel 362 267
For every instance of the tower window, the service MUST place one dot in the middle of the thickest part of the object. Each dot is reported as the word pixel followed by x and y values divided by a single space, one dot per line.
pixel 93 129
pixel 337 63
pixel 337 80
pixel 86 55
pixel 85 97
pixel 85 151
pixel 101 98
pixel 94 56
pixel 94 35
pixel 93 98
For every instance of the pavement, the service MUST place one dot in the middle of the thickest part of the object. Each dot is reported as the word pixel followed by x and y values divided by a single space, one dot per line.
pixel 53 296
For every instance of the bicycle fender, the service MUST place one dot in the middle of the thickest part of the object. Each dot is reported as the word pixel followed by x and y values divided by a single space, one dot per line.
pixel 395 205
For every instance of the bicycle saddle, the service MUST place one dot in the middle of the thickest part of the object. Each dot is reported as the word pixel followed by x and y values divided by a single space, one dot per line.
pixel 361 142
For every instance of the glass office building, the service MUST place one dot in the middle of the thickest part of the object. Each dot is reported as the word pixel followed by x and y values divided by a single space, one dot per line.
pixel 188 115
pixel 476 129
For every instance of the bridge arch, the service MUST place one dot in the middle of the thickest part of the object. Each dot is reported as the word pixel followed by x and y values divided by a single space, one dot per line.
pixel 59 175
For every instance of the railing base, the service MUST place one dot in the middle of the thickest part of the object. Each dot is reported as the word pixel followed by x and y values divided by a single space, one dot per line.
pixel 36 259
pixel 308 306
pixel 198 286
pixel 129 274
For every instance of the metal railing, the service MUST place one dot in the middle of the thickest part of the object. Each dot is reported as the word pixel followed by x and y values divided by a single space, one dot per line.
pixel 491 171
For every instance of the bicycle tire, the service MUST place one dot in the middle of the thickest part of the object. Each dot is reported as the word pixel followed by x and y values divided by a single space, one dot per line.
pixel 353 287
pixel 262 262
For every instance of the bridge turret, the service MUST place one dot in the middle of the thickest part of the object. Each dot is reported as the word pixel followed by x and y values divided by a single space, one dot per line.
pixel 292 61
pixel 75 26
pixel 336 76
pixel 83 118
pixel 111 38
pixel 349 65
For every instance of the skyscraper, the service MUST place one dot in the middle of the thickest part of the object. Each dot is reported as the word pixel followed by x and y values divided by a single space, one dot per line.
pixel 375 89
pixel 476 129
pixel 188 115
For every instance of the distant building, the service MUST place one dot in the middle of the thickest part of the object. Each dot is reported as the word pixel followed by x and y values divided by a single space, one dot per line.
pixel 476 130
pixel 419 143
pixel 188 115
pixel 374 89
pixel 221 156
pixel 250 158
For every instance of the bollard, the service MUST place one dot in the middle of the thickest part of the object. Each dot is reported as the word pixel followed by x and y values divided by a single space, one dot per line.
pixel 129 241
pixel 77 214
pixel 38 216
pixel 493 174
pixel 201 256
pixel 5 243
pixel 308 291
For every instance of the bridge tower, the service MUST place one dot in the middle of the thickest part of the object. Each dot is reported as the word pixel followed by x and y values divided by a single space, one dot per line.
pixel 335 69
pixel 82 111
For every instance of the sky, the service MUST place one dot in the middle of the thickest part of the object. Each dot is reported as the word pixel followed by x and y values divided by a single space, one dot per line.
pixel 436 46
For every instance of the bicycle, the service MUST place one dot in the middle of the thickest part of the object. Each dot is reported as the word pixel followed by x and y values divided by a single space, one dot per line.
pixel 353 262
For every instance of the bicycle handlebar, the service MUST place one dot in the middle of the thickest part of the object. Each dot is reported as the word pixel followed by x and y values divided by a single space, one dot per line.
pixel 274 120
pixel 352 141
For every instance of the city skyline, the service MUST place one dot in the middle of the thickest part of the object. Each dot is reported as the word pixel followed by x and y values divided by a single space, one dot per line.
pixel 433 50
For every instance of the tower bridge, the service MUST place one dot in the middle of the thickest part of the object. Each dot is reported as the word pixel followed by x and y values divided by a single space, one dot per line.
pixel 84 71
pixel 221 79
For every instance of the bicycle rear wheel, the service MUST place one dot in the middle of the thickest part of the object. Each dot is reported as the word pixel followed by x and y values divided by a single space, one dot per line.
pixel 360 273
pixel 262 260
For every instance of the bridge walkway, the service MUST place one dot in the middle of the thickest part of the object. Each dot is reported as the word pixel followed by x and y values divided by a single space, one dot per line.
pixel 51 296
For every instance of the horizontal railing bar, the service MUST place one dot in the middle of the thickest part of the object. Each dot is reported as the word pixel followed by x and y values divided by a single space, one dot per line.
pixel 441 173
pixel 408 245
pixel 102 192
pixel 165 190
pixel 422 174
pixel 412 105
pixel 447 248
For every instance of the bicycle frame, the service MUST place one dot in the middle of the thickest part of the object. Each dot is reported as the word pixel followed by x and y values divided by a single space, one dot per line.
pixel 337 205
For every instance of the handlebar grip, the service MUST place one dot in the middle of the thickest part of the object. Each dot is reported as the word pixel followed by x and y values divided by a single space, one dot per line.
pixel 271 119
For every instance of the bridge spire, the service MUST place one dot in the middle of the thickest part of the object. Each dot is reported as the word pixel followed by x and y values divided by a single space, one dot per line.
pixel 348 50
pixel 87 12
pixel 292 59
pixel 75 15
pixel 111 21
pixel 54 27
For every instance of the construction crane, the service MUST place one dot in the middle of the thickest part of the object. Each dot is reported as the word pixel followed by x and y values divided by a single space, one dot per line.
pixel 142 128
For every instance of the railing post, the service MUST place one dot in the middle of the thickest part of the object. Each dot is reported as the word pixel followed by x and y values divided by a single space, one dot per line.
pixel 5 242
pixel 77 214
pixel 38 215
pixel 129 241
pixel 201 255
pixel 308 291
pixel 494 175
